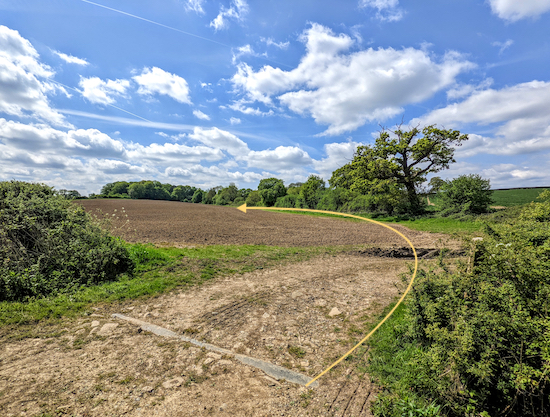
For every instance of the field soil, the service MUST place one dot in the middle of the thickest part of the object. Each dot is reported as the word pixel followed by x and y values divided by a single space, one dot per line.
pixel 302 316
pixel 185 224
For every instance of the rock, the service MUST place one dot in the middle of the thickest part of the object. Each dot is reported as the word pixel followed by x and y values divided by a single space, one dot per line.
pixel 107 329
pixel 265 316
pixel 334 312
pixel 173 383
pixel 94 323
pixel 147 389
pixel 305 364
pixel 225 362
pixel 320 302
pixel 208 361
pixel 296 294
pixel 270 381
pixel 213 355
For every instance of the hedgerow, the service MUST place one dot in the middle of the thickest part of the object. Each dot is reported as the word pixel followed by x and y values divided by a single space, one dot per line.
pixel 50 245
pixel 480 331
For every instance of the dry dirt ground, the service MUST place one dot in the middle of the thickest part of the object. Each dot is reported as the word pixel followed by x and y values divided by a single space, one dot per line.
pixel 301 316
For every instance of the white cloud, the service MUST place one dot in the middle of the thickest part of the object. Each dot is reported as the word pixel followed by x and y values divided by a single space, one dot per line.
pixel 387 10
pixel 235 121
pixel 238 10
pixel 157 81
pixel 240 106
pixel 271 42
pixel 280 158
pixel 167 153
pixel 513 10
pixel 195 5
pixel 344 91
pixel 242 51
pixel 463 90
pixel 338 155
pixel 103 92
pixel 71 59
pixel 518 114
pixel 200 115
pixel 220 139
pixel 24 80
pixel 503 45
pixel 212 176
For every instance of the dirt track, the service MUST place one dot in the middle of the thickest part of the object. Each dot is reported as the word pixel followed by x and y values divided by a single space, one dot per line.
pixel 101 366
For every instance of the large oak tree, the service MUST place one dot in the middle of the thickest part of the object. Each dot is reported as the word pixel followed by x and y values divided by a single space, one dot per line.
pixel 399 160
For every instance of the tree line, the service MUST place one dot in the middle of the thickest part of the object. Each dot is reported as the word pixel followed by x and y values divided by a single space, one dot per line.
pixel 389 177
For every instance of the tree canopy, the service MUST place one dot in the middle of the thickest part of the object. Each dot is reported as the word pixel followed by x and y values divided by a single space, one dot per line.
pixel 398 162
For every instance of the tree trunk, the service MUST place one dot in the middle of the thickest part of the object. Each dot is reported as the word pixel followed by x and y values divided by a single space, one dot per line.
pixel 414 201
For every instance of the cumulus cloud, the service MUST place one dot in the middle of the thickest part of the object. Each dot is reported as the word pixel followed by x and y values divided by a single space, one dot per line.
pixel 211 176
pixel 280 158
pixel 157 81
pixel 337 155
pixel 167 153
pixel 98 91
pixel 200 115
pixel 518 116
pixel 69 59
pixel 24 80
pixel 237 11
pixel 345 90
pixel 220 139
pixel 514 10
pixel 387 10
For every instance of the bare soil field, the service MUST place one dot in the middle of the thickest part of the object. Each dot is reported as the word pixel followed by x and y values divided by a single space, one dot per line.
pixel 183 224
pixel 301 316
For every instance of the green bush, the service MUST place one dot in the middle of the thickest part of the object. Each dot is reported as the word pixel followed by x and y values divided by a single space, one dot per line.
pixel 288 201
pixel 484 329
pixel 49 245
pixel 467 194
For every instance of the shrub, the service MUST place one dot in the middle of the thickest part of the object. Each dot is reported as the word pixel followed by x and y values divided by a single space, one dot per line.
pixel 288 201
pixel 468 194
pixel 48 244
pixel 485 330
pixel 270 190
pixel 253 199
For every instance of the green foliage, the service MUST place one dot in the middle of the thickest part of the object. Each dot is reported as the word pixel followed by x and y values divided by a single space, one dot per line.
pixel 312 190
pixel 209 196
pixel 48 244
pixel 469 194
pixel 69 194
pixel 288 201
pixel 538 211
pixel 399 163
pixel 183 193
pixel 270 190
pixel 226 195
pixel 435 184
pixel 151 190
pixel 197 196
pixel 253 199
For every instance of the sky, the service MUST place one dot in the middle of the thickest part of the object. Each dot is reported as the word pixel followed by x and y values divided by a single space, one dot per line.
pixel 213 92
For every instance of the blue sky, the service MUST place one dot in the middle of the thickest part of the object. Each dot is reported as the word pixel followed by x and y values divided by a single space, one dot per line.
pixel 207 93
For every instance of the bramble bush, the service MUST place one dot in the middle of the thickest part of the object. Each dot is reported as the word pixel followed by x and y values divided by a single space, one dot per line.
pixel 484 330
pixel 50 245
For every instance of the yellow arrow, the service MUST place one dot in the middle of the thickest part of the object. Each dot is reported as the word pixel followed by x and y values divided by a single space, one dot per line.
pixel 243 208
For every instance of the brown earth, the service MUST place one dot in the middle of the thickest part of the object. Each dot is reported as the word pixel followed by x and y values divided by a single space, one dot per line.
pixel 183 224
pixel 100 366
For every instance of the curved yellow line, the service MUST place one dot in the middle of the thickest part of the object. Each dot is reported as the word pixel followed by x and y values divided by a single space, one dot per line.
pixel 392 310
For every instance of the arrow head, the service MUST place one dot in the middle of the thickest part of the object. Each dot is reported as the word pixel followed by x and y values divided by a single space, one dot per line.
pixel 242 208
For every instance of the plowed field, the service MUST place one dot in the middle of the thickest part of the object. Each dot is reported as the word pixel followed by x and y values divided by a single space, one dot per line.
pixel 182 224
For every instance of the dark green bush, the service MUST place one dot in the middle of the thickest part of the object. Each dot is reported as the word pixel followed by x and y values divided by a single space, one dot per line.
pixel 468 194
pixel 484 330
pixel 49 245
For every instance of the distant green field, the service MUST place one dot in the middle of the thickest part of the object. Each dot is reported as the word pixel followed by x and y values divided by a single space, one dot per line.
pixel 509 198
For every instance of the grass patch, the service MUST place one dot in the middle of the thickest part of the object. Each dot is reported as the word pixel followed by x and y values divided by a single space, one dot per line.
pixel 158 271
pixel 426 224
